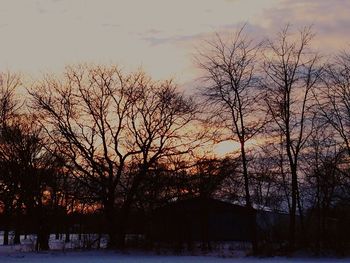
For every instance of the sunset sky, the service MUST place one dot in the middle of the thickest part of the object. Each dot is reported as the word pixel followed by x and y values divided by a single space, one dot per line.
pixel 158 35
pixel 161 36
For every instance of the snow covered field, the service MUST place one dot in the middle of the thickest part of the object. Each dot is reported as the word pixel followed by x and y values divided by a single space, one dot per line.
pixel 24 253
pixel 109 257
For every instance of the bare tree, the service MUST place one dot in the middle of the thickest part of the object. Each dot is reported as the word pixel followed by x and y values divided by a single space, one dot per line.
pixel 106 121
pixel 334 97
pixel 28 174
pixel 9 83
pixel 230 91
pixel 159 125
pixel 9 106
pixel 323 162
pixel 292 71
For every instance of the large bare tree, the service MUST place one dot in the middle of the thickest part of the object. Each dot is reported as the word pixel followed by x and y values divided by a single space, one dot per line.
pixel 107 123
pixel 230 89
pixel 292 71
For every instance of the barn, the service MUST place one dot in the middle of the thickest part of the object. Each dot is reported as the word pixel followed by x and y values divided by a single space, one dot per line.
pixel 202 220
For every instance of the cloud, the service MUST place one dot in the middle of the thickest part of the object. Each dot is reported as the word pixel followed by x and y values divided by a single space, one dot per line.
pixel 154 41
pixel 110 25
pixel 329 19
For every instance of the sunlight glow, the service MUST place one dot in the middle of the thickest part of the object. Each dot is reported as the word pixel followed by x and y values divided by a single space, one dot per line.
pixel 231 147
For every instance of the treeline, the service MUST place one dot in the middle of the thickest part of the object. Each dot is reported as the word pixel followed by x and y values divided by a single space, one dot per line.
pixel 97 139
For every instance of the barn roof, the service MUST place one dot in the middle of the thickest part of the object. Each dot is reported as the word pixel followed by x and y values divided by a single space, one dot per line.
pixel 209 204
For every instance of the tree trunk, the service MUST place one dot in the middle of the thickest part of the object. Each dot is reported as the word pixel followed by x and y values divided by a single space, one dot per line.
pixel 245 176
pixel 304 234
pixel 318 205
pixel 111 224
pixel 292 158
pixel 292 224
pixel 121 233
pixel 43 240
pixel 248 202
pixel 122 225
pixel 6 226
pixel 6 237
pixel 67 236
pixel 17 236
pixel 125 210
pixel 17 239
pixel 43 230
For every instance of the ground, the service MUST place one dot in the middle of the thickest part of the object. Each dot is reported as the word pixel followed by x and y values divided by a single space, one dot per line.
pixel 109 257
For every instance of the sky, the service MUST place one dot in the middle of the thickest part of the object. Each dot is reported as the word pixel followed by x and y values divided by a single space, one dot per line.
pixel 161 36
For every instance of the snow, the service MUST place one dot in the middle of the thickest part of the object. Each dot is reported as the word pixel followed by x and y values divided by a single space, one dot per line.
pixel 62 252
pixel 109 257
pixel 86 241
